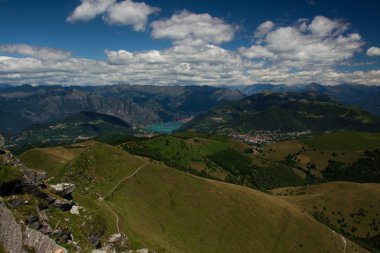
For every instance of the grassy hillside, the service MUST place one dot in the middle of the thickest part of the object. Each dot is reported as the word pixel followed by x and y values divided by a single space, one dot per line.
pixel 349 208
pixel 52 159
pixel 172 211
pixel 314 153
pixel 188 214
pixel 288 112
pixel 217 157
pixel 345 141
pixel 185 151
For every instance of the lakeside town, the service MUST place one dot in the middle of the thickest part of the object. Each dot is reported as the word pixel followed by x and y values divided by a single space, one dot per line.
pixel 262 137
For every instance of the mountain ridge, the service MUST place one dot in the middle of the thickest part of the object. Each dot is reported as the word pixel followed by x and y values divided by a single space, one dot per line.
pixel 287 112
pixel 364 96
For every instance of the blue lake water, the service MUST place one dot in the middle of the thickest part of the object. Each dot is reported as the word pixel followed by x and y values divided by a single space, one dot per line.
pixel 165 128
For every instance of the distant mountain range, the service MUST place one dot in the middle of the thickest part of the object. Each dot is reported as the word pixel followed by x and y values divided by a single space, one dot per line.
pixel 137 105
pixel 367 97
pixel 287 112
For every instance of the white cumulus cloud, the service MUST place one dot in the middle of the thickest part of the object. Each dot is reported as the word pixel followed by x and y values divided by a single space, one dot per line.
pixel 130 13
pixel 264 29
pixel 324 27
pixel 256 52
pixel 89 9
pixel 306 51
pixel 188 25
pixel 373 51
pixel 43 53
pixel 126 12
pixel 321 42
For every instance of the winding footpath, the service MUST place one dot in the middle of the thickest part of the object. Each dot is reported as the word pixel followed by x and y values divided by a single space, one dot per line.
pixel 127 177
pixel 343 240
pixel 117 219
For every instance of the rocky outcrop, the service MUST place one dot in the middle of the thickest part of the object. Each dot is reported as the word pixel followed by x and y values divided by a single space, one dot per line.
pixel 119 243
pixel 63 204
pixel 32 182
pixel 29 176
pixel 35 232
pixel 94 238
pixel 41 243
pixel 2 145
pixel 116 243
pixel 10 231
pixel 39 178
pixel 63 189
pixel 36 226
pixel 14 240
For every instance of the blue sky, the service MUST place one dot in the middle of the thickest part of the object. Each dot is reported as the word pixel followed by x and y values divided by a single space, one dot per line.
pixel 227 42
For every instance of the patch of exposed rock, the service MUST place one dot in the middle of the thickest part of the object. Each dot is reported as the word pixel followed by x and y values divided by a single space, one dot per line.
pixel 32 182
pixel 2 145
pixel 33 238
pixel 75 210
pixel 15 241
pixel 119 243
pixel 116 243
pixel 41 243
pixel 35 233
pixel 63 189
pixel 10 231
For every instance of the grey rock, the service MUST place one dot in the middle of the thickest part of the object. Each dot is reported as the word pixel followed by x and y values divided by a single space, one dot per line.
pixel 14 203
pixel 61 235
pixel 75 210
pixel 63 189
pixel 2 145
pixel 94 238
pixel 46 228
pixel 143 251
pixel 33 222
pixel 10 231
pixel 39 178
pixel 102 251
pixel 43 219
pixel 41 243
pixel 29 176
pixel 116 243
pixel 42 215
pixel 64 205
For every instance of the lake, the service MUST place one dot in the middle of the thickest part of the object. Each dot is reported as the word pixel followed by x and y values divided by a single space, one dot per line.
pixel 165 128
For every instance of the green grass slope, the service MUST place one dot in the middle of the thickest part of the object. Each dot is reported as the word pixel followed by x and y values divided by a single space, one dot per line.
pixel 171 211
pixel 345 141
pixel 52 159
pixel 349 208
pixel 346 147
pixel 185 151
